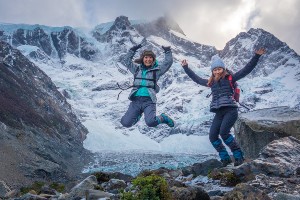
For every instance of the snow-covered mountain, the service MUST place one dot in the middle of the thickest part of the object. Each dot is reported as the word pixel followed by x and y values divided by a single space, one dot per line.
pixel 85 65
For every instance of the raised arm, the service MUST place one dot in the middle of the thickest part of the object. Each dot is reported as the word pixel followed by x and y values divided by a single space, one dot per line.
pixel 168 61
pixel 249 67
pixel 192 75
pixel 127 59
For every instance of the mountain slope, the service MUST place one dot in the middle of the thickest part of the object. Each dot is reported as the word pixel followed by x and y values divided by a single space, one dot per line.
pixel 90 83
pixel 41 137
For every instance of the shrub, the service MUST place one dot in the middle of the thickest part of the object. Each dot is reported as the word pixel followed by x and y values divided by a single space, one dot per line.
pixel 36 186
pixel 58 187
pixel 152 187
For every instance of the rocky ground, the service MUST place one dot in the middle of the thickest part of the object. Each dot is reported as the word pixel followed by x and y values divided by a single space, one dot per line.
pixel 275 174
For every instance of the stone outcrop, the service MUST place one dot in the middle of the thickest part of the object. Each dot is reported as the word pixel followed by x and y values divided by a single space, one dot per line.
pixel 40 136
pixel 54 42
pixel 245 191
pixel 201 168
pixel 280 158
pixel 255 129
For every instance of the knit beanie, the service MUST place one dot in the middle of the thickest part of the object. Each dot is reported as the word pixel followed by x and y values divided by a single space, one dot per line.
pixel 145 53
pixel 216 62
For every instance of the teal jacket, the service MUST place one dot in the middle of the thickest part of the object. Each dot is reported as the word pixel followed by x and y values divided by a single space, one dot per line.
pixel 159 68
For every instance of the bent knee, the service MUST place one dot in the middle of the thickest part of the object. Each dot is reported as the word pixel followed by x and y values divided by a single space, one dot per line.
pixel 126 123
pixel 151 122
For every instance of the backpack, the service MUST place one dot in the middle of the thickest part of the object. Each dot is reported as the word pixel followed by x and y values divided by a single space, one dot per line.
pixel 235 88
pixel 236 91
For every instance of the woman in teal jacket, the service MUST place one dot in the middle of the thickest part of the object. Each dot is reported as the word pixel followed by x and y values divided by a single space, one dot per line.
pixel 146 71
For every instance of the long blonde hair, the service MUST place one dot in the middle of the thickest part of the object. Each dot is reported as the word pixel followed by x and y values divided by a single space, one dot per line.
pixel 213 79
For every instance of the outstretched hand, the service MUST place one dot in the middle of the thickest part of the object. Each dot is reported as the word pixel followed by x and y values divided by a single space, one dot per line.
pixel 166 49
pixel 260 51
pixel 184 63
pixel 136 47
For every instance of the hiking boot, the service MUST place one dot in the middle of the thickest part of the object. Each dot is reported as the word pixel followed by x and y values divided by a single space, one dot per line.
pixel 238 161
pixel 167 120
pixel 226 162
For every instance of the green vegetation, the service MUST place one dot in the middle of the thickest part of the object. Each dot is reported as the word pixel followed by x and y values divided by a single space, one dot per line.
pixel 36 186
pixel 226 178
pixel 151 187
pixel 58 187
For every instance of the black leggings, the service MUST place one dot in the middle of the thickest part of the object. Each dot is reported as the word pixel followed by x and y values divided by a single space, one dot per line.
pixel 222 123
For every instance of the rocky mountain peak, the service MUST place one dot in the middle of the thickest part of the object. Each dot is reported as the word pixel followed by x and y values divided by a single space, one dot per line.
pixel 169 23
pixel 240 49
pixel 55 42
pixel 159 27
pixel 120 29
pixel 121 23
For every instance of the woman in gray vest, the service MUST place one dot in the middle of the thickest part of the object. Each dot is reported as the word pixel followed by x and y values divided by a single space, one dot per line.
pixel 224 105
pixel 146 71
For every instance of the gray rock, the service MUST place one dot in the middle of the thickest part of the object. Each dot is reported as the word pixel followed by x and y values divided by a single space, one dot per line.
pixel 201 168
pixel 254 130
pixel 280 158
pixel 298 171
pixel 12 193
pixel 81 189
pixel 42 137
pixel 97 194
pixel 283 196
pixel 3 189
pixel 114 184
pixel 216 198
pixel 47 190
pixel 274 185
pixel 244 191
pixel 189 193
pixel 31 197
pixel 112 85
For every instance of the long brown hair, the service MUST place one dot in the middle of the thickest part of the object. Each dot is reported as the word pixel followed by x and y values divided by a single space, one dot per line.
pixel 213 79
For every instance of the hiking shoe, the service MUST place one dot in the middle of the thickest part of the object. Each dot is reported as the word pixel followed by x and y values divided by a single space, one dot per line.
pixel 226 162
pixel 238 161
pixel 167 120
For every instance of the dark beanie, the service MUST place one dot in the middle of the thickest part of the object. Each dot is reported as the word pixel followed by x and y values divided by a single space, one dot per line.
pixel 145 53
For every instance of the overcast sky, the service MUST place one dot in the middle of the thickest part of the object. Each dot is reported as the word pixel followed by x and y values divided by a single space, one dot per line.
pixel 211 22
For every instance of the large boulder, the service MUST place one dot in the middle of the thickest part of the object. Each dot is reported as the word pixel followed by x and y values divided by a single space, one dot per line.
pixel 80 190
pixel 244 191
pixel 255 129
pixel 189 193
pixel 201 168
pixel 281 158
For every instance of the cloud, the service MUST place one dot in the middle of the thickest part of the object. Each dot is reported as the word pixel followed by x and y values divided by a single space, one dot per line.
pixel 52 13
pixel 211 22
pixel 281 18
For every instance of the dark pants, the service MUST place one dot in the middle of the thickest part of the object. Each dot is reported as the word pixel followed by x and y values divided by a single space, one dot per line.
pixel 222 123
pixel 138 106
